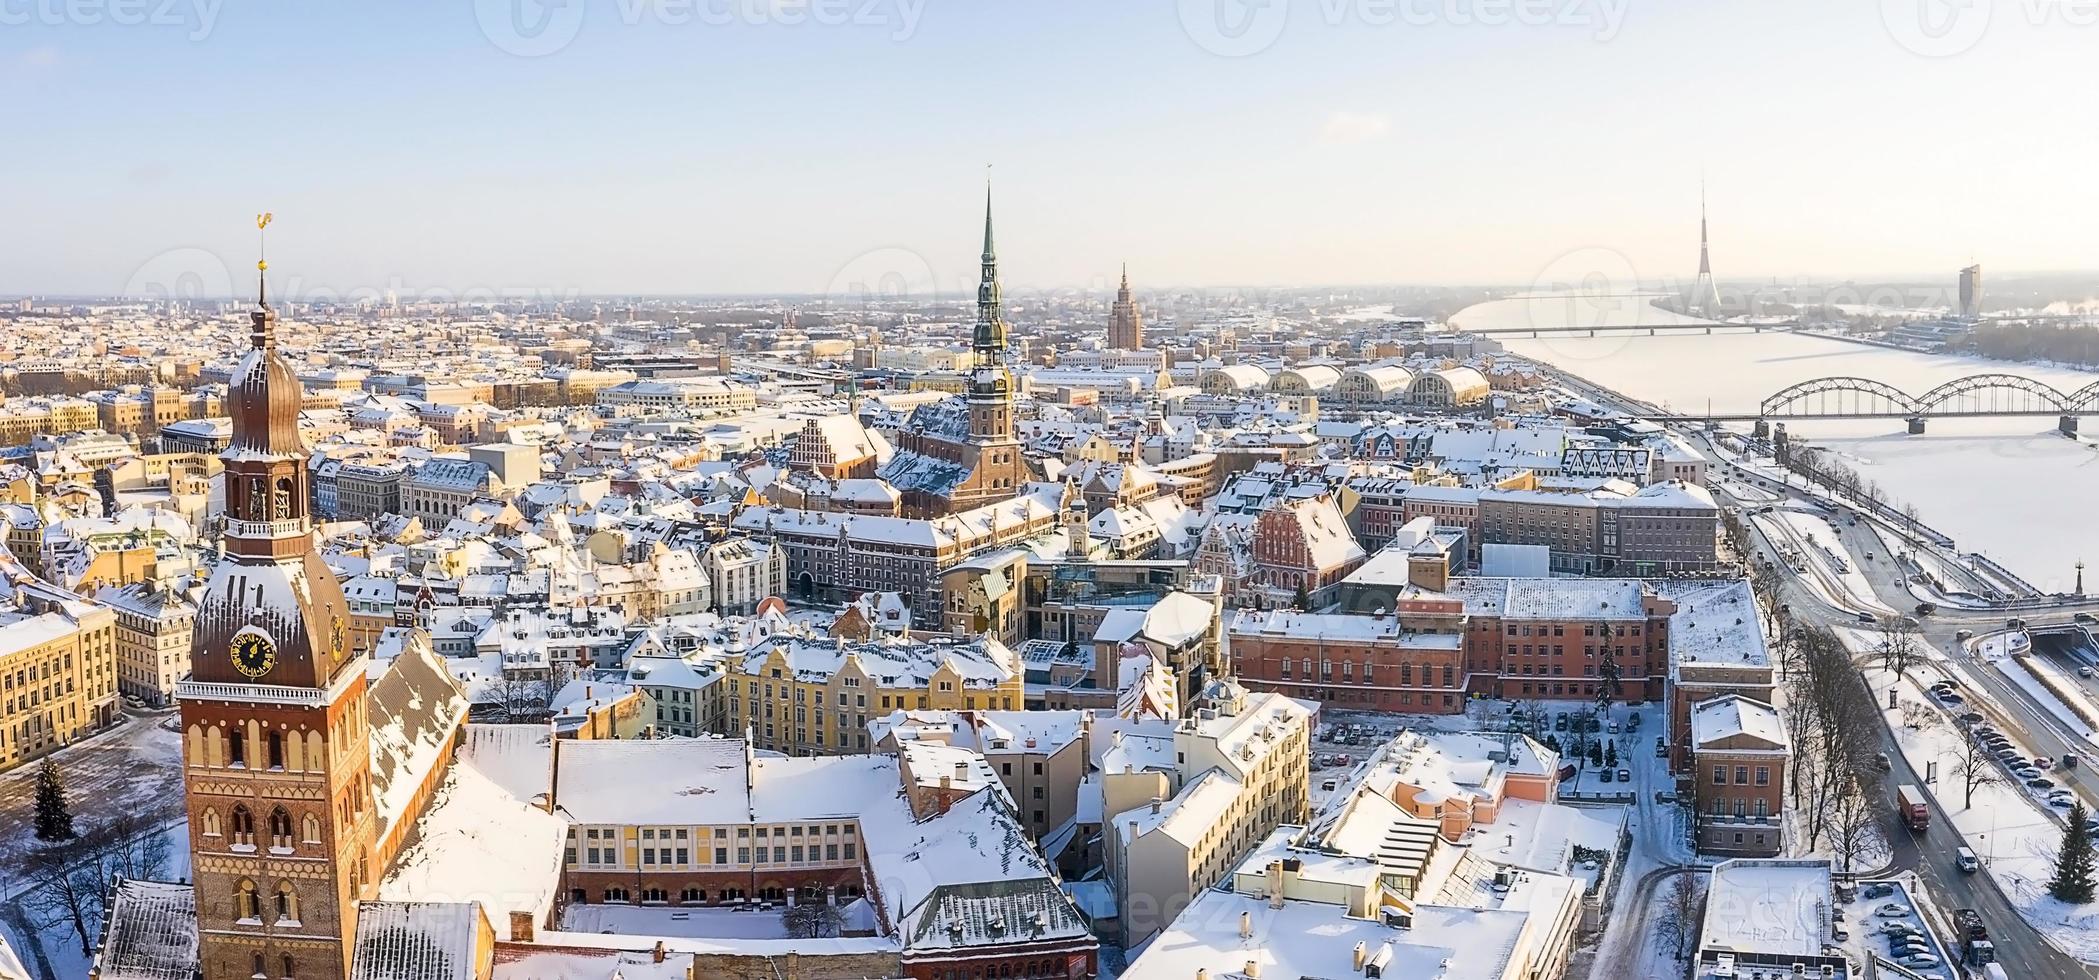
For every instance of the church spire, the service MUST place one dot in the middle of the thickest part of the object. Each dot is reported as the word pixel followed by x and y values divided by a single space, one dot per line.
pixel 989 340
pixel 262 321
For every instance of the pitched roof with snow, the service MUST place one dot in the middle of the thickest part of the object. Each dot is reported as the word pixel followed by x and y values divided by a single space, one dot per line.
pixel 151 933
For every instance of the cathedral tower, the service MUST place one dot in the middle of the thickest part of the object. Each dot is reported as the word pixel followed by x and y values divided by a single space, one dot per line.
pixel 276 758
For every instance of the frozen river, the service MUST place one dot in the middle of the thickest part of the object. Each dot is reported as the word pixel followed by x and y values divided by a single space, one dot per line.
pixel 2012 489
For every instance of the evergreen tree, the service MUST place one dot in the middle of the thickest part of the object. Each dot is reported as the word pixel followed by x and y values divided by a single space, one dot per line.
pixel 54 820
pixel 2073 864
pixel 1303 599
pixel 1610 754
pixel 1595 754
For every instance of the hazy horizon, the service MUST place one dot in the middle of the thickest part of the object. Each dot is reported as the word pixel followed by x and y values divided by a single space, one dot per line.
pixel 643 149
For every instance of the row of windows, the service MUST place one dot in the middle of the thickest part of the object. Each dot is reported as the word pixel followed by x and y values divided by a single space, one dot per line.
pixel 1763 775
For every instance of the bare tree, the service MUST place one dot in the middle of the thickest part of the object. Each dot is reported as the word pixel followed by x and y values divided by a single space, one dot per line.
pixel 812 920
pixel 69 881
pixel 1899 647
pixel 1853 825
pixel 1975 767
pixel 1683 905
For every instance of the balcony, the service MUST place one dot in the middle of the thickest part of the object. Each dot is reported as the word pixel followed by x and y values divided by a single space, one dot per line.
pixel 265 529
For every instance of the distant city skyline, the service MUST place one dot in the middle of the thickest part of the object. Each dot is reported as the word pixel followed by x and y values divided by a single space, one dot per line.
pixel 643 155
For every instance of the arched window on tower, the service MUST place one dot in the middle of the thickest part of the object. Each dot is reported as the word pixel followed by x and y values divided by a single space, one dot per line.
pixel 258 502
pixel 287 903
pixel 281 501
pixel 275 741
pixel 211 823
pixel 290 968
pixel 247 907
pixel 243 826
pixel 237 748
pixel 280 829
pixel 310 829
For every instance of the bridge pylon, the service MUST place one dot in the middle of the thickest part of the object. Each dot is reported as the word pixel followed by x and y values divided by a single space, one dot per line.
pixel 2067 425
pixel 1916 425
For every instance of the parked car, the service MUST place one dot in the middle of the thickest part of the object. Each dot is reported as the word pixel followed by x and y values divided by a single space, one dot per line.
pixel 1927 608
pixel 2041 782
pixel 1633 723
pixel 1604 775
pixel 1661 748
pixel 1625 775
pixel 1893 910
pixel 1971 717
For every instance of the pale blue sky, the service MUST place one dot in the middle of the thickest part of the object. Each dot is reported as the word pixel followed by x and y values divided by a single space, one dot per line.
pixel 400 146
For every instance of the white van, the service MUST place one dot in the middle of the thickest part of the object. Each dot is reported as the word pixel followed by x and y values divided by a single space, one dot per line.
pixel 1965 860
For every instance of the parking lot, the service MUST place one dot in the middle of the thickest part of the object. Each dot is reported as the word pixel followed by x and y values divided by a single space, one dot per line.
pixel 1883 920
pixel 2016 764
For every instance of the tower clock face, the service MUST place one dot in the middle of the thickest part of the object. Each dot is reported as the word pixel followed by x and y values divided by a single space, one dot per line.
pixel 254 654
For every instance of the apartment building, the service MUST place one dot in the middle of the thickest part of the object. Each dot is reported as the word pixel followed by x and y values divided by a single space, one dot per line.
pixel 368 488
pixel 806 694
pixel 438 490
pixel 1238 770
pixel 155 621
pixel 836 557
pixel 1411 661
pixel 934 850
pixel 1515 638
pixel 678 394
pixel 1716 648
pixel 1617 529
pixel 1739 755
pixel 58 667
pixel 1040 756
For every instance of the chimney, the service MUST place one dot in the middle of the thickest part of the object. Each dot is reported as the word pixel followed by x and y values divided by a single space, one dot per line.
pixel 656 955
pixel 521 927
pixel 962 772
pixel 1359 957
pixel 1253 969
pixel 1246 924
pixel 1275 884
pixel 1202 973
pixel 1157 804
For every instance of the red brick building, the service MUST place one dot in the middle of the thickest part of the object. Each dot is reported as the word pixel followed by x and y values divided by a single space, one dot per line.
pixel 1496 637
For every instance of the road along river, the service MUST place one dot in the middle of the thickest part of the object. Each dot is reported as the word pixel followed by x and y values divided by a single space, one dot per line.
pixel 2012 489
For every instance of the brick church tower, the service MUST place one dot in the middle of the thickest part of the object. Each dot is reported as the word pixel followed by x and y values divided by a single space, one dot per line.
pixel 276 759
pixel 992 452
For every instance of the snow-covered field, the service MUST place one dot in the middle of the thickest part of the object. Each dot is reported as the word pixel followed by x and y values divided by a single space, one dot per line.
pixel 2009 488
